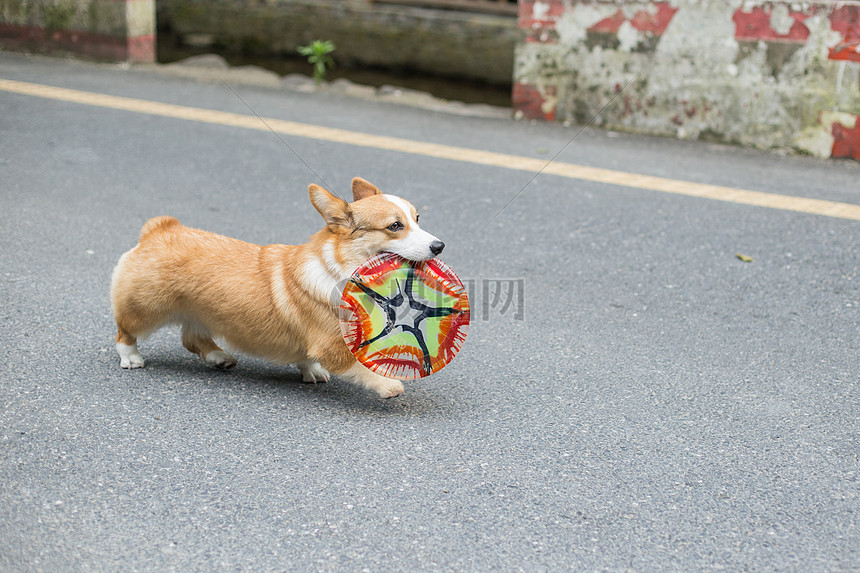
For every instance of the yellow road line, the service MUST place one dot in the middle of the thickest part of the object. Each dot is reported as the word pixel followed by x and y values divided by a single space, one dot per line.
pixel 570 170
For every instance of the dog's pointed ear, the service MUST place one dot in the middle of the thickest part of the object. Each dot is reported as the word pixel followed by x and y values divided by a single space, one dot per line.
pixel 362 189
pixel 334 210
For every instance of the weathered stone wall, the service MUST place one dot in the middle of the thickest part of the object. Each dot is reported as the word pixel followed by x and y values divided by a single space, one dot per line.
pixel 769 74
pixel 441 42
pixel 106 29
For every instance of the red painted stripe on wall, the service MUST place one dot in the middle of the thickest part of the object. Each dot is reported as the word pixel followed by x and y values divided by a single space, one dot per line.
pixel 846 140
pixel 846 21
pixel 756 25
pixel 652 22
pixel 101 46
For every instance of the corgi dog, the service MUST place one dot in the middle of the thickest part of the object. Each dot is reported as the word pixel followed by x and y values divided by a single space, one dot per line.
pixel 278 302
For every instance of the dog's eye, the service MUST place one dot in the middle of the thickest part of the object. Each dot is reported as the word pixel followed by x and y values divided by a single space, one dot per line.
pixel 417 217
pixel 395 226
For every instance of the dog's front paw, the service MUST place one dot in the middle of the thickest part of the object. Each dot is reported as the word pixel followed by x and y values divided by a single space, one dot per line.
pixel 384 387
pixel 129 362
pixel 389 388
pixel 129 357
pixel 313 372
pixel 221 360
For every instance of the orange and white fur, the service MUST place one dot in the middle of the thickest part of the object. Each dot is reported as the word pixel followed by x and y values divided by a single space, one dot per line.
pixel 276 301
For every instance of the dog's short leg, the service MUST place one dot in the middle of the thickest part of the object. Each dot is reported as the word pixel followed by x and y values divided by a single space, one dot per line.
pixel 129 356
pixel 221 360
pixel 197 339
pixel 313 372
pixel 126 347
pixel 385 387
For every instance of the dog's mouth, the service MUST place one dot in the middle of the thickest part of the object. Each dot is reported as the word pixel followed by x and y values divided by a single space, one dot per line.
pixel 431 251
pixel 410 259
pixel 393 254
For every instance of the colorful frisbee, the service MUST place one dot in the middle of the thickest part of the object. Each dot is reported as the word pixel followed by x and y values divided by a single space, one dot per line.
pixel 404 319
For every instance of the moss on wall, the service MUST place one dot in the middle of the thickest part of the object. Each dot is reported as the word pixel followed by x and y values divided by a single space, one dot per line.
pixel 58 15
pixel 13 11
pixel 96 16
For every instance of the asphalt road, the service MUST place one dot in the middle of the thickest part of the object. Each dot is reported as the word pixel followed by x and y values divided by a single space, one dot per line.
pixel 653 403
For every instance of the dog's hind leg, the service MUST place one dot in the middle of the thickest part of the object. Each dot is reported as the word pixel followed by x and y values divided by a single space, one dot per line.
pixel 313 372
pixel 198 339
pixel 126 347
pixel 131 325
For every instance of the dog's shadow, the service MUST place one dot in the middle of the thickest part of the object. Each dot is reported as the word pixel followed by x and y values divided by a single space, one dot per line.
pixel 284 382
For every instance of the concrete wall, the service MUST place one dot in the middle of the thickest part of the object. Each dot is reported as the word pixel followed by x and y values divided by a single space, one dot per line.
pixel 440 42
pixel 767 74
pixel 122 30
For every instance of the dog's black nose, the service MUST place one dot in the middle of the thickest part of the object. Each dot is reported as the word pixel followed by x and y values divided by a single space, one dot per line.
pixel 436 247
